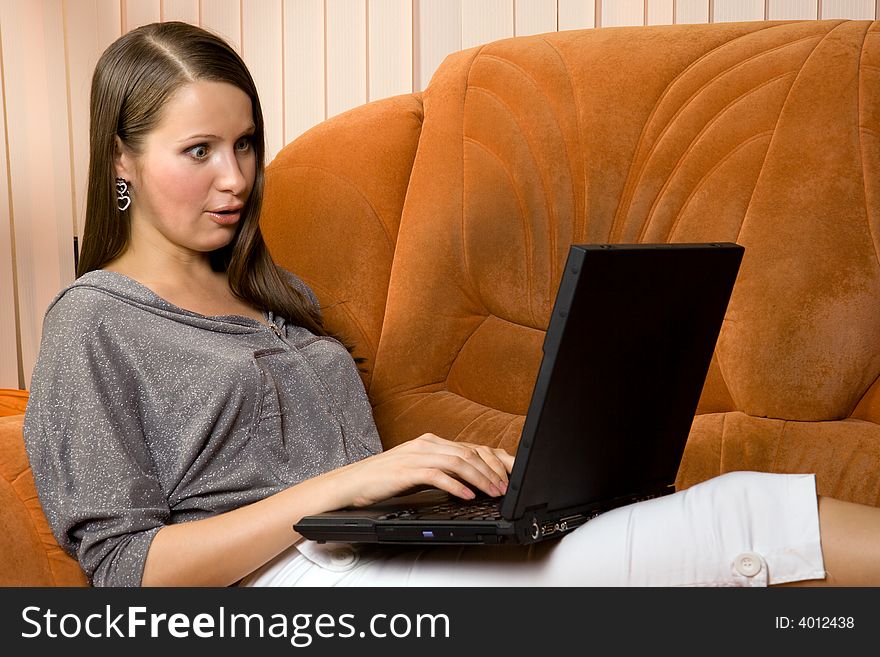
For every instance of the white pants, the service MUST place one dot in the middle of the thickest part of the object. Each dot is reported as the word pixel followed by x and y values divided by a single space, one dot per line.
pixel 739 529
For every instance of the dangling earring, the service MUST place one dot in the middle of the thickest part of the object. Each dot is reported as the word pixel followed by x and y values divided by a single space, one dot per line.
pixel 123 195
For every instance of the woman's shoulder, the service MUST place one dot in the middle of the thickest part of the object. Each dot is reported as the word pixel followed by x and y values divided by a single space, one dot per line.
pixel 94 297
pixel 298 284
pixel 85 319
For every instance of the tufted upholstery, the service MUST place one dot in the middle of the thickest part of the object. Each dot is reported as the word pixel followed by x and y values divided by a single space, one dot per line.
pixel 438 250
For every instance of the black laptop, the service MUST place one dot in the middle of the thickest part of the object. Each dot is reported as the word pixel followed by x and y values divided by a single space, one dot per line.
pixel 626 353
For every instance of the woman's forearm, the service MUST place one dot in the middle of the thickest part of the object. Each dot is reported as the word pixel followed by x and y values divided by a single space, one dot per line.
pixel 220 550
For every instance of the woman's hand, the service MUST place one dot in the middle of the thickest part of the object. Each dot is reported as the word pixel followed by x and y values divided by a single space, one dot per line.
pixel 221 549
pixel 426 460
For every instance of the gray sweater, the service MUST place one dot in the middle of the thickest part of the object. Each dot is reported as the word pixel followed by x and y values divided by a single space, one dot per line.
pixel 144 414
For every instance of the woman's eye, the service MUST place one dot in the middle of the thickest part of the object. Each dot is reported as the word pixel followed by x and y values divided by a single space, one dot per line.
pixel 199 152
pixel 243 144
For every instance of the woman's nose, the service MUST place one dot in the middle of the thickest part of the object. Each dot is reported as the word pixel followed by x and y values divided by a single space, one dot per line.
pixel 230 177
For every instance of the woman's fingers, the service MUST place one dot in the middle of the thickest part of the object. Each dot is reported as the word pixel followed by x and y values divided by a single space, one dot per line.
pixel 473 470
pixel 443 481
pixel 482 466
pixel 497 459
pixel 496 477
pixel 457 468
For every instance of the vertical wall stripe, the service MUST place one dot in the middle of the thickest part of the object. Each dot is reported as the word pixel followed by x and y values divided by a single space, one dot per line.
pixel 389 48
pixel 346 55
pixel 11 372
pixel 141 12
pixel 576 14
pixel 36 104
pixel 69 81
pixel 303 66
pixel 485 20
pixel 534 17
pixel 793 9
pixel 857 9
pixel 180 10
pixel 109 27
pixel 81 25
pixel 262 51
pixel 324 37
pixel 728 11
pixel 622 12
pixel 661 12
pixel 224 18
pixel 437 33
pixel 692 11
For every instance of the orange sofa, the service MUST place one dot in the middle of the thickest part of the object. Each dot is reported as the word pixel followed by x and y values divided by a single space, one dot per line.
pixel 433 227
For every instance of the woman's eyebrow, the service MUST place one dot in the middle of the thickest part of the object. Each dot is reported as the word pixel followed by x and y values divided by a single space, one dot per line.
pixel 198 136
pixel 250 128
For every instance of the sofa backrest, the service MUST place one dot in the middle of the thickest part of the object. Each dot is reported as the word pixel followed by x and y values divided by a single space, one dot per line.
pixel 766 134
pixel 433 226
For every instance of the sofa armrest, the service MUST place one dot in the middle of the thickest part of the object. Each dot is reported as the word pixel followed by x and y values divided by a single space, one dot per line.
pixel 29 554
pixel 12 402
pixel 343 183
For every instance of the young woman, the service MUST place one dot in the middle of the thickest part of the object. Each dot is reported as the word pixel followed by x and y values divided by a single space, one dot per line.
pixel 188 406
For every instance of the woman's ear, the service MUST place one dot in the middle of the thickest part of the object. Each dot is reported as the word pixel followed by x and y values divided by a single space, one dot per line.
pixel 123 160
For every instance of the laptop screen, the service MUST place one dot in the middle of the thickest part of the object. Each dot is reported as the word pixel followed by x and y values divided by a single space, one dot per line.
pixel 627 349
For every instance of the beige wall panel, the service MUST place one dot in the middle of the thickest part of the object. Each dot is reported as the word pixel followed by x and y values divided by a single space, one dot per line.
pixel 483 21
pixel 90 26
pixel 389 48
pixel 140 12
pixel 83 50
pixel 346 35
pixel 787 10
pixel 858 9
pixel 622 12
pixel 576 14
pixel 311 59
pixel 728 11
pixel 109 27
pixel 534 17
pixel 32 34
pixel 224 18
pixel 181 10
pixel 661 12
pixel 303 66
pixel 262 51
pixel 692 11
pixel 9 371
pixel 437 33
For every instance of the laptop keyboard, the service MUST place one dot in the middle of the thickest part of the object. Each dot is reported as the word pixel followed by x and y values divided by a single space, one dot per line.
pixel 489 509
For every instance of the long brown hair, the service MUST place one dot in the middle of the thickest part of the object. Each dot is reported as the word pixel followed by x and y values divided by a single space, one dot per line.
pixel 133 80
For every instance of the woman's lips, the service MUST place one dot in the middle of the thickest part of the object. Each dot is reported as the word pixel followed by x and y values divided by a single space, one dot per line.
pixel 225 218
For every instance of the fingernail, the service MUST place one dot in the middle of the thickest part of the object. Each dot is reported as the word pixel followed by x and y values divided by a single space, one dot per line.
pixel 503 487
pixel 468 493
pixel 494 491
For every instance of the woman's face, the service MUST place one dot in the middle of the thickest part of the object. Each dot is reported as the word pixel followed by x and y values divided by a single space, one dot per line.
pixel 195 172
